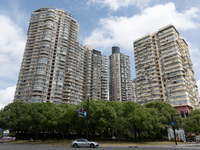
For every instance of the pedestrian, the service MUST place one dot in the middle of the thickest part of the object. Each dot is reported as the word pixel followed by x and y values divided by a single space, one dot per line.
pixel 31 140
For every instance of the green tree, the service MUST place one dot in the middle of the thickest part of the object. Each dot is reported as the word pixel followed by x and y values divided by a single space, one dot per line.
pixel 101 116
pixel 129 117
pixel 119 126
pixel 192 124
pixel 15 114
pixel 107 120
pixel 67 119
pixel 143 121
pixel 42 118
pixel 3 122
pixel 95 114
pixel 164 115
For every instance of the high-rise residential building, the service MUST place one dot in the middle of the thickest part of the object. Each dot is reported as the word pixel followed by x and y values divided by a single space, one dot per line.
pixel 95 75
pixel 120 88
pixel 164 71
pixel 134 90
pixel 53 64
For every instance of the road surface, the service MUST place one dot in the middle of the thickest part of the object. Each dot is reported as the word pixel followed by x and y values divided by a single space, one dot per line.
pixel 9 146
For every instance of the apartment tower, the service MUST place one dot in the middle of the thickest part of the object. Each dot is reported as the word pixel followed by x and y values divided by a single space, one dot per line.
pixel 95 75
pixel 120 88
pixel 53 64
pixel 134 90
pixel 164 70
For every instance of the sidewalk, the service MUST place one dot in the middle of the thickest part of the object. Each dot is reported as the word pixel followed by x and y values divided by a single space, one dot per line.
pixel 178 145
pixel 166 146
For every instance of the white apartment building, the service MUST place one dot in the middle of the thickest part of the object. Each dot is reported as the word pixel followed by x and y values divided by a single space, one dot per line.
pixel 164 71
pixel 53 64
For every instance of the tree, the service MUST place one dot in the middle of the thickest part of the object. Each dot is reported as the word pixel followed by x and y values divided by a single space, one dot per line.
pixel 15 117
pixel 193 123
pixel 101 116
pixel 67 119
pixel 119 124
pixel 164 115
pixel 107 120
pixel 41 118
pixel 131 115
pixel 129 107
pixel 95 114
pixel 3 122
pixel 143 121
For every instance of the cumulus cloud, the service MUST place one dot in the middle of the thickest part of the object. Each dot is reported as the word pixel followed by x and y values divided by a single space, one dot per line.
pixel 12 43
pixel 116 4
pixel 123 30
pixel 7 96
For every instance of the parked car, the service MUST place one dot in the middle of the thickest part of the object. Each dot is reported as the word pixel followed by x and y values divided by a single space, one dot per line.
pixel 84 143
pixel 191 139
pixel 8 138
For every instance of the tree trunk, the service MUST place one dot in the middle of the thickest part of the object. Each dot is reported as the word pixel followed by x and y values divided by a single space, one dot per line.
pixel 94 133
pixel 139 134
pixel 17 135
pixel 43 136
pixel 135 129
pixel 107 133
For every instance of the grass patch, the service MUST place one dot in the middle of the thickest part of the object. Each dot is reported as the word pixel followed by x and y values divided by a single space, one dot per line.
pixel 51 142
pixel 101 143
pixel 137 143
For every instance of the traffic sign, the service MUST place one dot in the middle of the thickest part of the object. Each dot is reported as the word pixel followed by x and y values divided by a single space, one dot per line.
pixel 0 129
pixel 85 113
pixel 172 123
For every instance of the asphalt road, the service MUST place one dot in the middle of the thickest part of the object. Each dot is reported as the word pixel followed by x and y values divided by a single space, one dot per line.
pixel 8 146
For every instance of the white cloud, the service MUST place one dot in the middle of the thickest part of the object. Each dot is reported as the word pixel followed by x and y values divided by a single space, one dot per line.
pixel 198 84
pixel 7 96
pixel 116 4
pixel 195 55
pixel 122 31
pixel 12 44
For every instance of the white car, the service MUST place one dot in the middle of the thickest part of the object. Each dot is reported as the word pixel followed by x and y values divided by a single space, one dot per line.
pixel 84 143
pixel 8 138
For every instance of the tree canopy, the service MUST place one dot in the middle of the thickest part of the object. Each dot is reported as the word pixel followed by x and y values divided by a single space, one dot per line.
pixel 110 119
pixel 192 124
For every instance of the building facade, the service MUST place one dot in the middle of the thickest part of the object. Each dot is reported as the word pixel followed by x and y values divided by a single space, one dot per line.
pixel 120 88
pixel 95 75
pixel 134 90
pixel 53 64
pixel 164 70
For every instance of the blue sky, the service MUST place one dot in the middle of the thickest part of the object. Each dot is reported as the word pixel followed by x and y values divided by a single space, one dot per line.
pixel 102 24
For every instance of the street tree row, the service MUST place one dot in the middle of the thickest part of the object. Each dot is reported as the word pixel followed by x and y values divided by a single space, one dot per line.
pixel 107 120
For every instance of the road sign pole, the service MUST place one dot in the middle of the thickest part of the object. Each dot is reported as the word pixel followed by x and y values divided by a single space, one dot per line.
pixel 174 129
